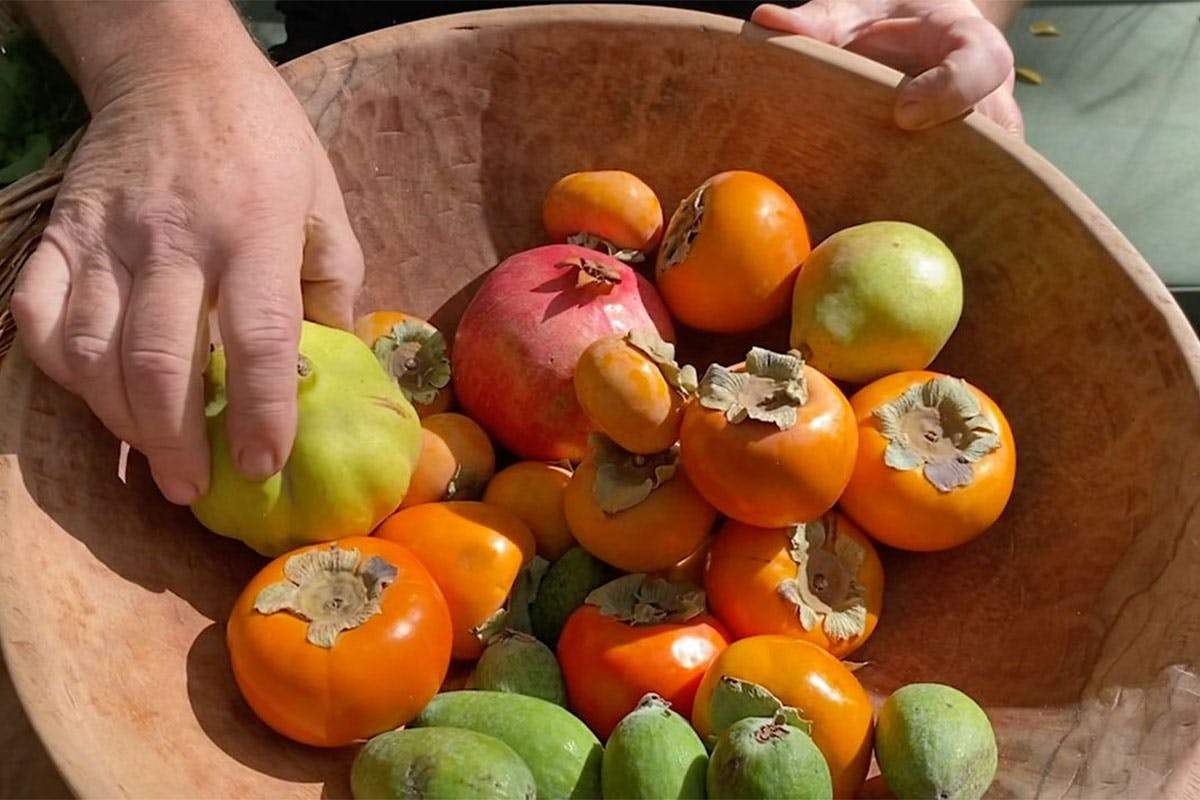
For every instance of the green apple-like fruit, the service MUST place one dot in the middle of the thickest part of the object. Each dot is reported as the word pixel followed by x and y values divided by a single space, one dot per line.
pixel 876 298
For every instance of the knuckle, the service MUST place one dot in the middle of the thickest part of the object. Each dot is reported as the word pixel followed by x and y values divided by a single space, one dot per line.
pixel 85 354
pixel 157 369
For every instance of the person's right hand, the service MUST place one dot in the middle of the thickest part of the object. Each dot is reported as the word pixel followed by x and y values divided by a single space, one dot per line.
pixel 195 186
pixel 957 59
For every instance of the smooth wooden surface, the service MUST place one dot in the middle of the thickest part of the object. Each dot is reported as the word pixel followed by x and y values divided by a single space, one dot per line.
pixel 1074 621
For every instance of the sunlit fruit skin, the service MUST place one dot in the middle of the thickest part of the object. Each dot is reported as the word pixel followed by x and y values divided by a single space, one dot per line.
pixel 519 340
pixel 369 327
pixel 813 681
pixel 335 697
pixel 474 552
pixel 738 272
pixel 609 665
pixel 745 568
pixel 901 508
pixel 533 490
pixel 613 205
pixel 763 476
pixel 625 395
pixel 653 535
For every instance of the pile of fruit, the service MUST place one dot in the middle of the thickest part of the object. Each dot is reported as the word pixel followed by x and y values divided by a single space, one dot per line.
pixel 549 560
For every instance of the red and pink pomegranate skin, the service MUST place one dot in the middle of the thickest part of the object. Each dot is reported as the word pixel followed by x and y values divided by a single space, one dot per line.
pixel 521 336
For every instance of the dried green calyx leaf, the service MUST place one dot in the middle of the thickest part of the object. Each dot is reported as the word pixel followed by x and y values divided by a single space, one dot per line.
pixel 592 274
pixel 825 590
pixel 734 699
pixel 513 616
pixel 594 242
pixel 1043 27
pixel 682 379
pixel 769 389
pixel 414 353
pixel 641 600
pixel 939 428
pixel 330 589
pixel 624 479
pixel 683 228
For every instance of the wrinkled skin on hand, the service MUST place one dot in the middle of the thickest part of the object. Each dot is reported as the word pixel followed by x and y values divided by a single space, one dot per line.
pixel 192 191
pixel 957 60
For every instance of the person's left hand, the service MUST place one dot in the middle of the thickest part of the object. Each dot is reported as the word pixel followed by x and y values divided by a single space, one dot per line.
pixel 957 59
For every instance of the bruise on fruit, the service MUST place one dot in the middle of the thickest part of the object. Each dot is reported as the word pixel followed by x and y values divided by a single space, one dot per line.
pixel 624 479
pixel 329 589
pixel 591 274
pixel 662 353
pixel 939 428
pixel 684 228
pixel 825 590
pixel 641 600
pixel 414 353
pixel 769 389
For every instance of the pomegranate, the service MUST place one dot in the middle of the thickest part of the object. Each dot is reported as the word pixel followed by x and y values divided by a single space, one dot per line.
pixel 521 336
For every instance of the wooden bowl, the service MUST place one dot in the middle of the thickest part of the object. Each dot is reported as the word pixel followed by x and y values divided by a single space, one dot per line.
pixel 1074 621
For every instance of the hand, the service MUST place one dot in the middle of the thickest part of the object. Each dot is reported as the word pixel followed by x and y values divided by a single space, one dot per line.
pixel 194 188
pixel 956 58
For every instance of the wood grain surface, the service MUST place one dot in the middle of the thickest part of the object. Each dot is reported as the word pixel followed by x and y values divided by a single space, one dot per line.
pixel 1074 621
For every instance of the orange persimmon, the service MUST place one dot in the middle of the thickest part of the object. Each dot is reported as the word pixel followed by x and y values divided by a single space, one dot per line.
pixel 633 391
pixel 610 210
pixel 414 353
pixel 475 553
pixel 936 461
pixel 456 462
pixel 770 443
pixel 731 253
pixel 318 636
pixel 533 491
pixel 636 513
pixel 804 677
pixel 821 581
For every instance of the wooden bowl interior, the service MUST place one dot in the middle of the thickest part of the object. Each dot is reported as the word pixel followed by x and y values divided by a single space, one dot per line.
pixel 1073 621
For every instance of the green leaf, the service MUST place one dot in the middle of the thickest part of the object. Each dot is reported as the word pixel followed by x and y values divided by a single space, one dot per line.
pixel 735 699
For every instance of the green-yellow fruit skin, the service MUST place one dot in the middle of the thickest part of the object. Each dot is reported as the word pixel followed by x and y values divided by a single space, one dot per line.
pixel 439 764
pixel 933 741
pixel 523 665
pixel 876 298
pixel 563 588
pixel 654 754
pixel 786 765
pixel 357 443
pixel 561 752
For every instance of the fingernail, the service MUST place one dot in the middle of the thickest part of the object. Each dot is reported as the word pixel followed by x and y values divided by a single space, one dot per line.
pixel 912 114
pixel 179 491
pixel 257 463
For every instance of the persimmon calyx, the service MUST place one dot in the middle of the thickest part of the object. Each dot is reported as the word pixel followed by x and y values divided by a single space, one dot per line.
pixel 641 600
pixel 513 616
pixel 734 699
pixel 682 379
pixel 593 242
pixel 939 428
pixel 684 228
pixel 591 274
pixel 826 590
pixel 330 589
pixel 624 479
pixel 415 355
pixel 769 389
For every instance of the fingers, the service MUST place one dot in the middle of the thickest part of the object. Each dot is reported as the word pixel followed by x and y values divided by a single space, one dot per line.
pixel 1001 107
pixel 163 353
pixel 974 62
pixel 824 20
pixel 259 308
pixel 332 274
pixel 39 307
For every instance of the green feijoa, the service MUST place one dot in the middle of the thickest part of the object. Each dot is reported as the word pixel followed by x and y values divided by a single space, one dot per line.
pixel 654 753
pixel 439 764
pixel 760 758
pixel 517 662
pixel 561 752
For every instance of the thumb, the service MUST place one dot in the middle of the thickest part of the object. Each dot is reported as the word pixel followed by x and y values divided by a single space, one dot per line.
pixel 332 273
